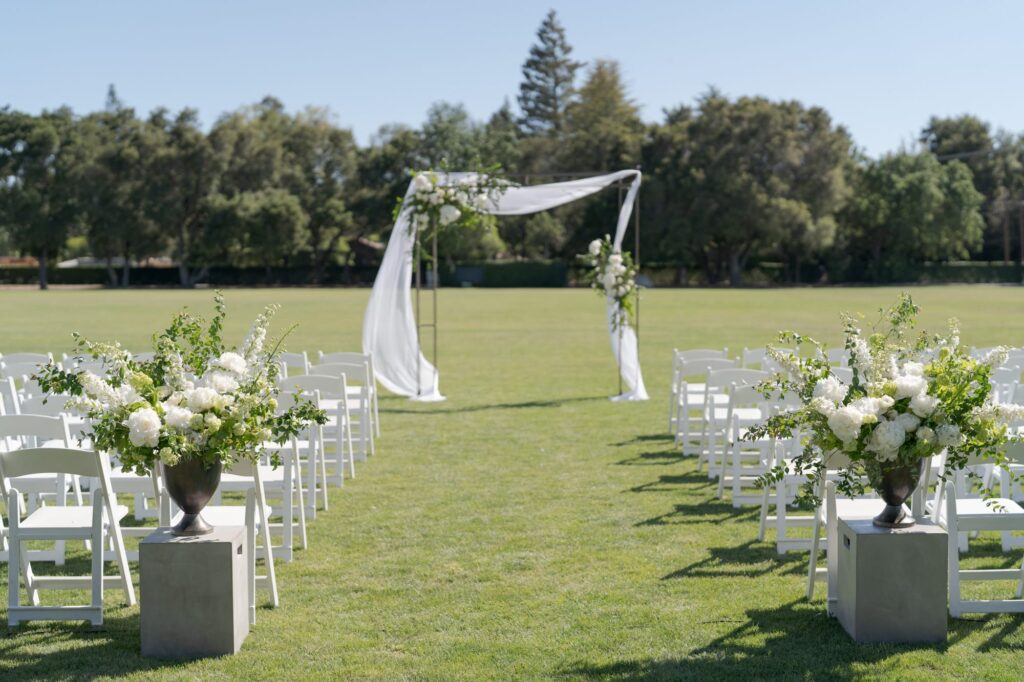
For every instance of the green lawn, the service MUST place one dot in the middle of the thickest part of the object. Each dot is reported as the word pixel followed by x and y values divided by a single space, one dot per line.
pixel 528 528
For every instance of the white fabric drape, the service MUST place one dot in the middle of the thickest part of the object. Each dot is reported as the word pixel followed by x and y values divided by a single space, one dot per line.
pixel 389 326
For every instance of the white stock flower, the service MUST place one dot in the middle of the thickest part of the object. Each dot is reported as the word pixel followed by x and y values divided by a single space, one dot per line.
pixel 201 399
pixel 862 358
pixel 832 389
pixel 909 385
pixel 846 422
pixel 449 214
pixel 232 362
pixel 144 428
pixel 948 435
pixel 595 247
pixel 97 388
pixel 177 417
pixel 996 357
pixel 908 422
pixel 923 405
pixel 222 382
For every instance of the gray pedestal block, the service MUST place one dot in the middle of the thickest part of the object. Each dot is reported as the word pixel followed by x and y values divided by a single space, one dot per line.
pixel 892 582
pixel 194 593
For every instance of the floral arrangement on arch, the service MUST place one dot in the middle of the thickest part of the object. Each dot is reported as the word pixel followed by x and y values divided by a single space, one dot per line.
pixel 435 204
pixel 910 398
pixel 613 275
pixel 194 400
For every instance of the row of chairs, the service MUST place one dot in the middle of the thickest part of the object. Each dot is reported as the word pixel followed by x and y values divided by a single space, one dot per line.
pixel 47 476
pixel 714 401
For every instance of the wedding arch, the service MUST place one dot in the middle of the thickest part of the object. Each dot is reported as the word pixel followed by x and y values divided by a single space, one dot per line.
pixel 390 330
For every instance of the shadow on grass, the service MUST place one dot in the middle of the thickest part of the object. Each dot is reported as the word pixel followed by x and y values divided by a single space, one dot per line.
pixel 666 483
pixel 647 438
pixel 751 559
pixel 558 402
pixel 708 511
pixel 793 641
pixel 656 458
pixel 111 650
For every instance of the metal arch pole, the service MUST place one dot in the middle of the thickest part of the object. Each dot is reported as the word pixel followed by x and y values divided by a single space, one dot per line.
pixel 636 258
pixel 419 286
pixel 617 316
pixel 436 283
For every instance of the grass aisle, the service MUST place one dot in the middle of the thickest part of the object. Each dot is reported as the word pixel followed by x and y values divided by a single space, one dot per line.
pixel 528 528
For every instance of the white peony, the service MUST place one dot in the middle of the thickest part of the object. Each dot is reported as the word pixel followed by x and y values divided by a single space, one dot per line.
pixel 948 435
pixel 595 247
pixel 144 428
pixel 222 382
pixel 232 362
pixel 923 405
pixel 909 385
pixel 823 405
pixel 449 214
pixel 846 422
pixel 177 417
pixel 887 438
pixel 874 407
pixel 201 399
pixel 915 369
pixel 908 422
pixel 832 389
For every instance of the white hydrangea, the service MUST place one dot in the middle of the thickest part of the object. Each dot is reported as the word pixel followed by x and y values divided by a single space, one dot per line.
pixel 914 369
pixel 449 214
pixel 846 422
pixel 202 399
pixel 832 389
pixel 908 422
pixel 948 435
pixel 144 428
pixel 926 435
pixel 909 385
pixel 177 417
pixel 923 405
pixel 823 405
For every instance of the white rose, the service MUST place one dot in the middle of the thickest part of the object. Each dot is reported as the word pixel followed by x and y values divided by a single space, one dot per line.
pixel 222 382
pixel 909 385
pixel 908 422
pixel 887 437
pixel 232 362
pixel 201 399
pixel 595 247
pixel 846 422
pixel 923 405
pixel 144 428
pixel 449 214
pixel 948 435
pixel 177 417
pixel 832 389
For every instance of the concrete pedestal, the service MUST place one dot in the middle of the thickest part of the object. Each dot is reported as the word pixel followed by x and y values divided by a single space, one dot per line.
pixel 194 593
pixel 892 582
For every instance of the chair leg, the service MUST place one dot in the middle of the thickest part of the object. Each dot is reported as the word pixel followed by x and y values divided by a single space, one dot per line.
pixel 271 575
pixel 297 483
pixel 762 524
pixel 250 546
pixel 97 560
pixel 953 553
pixel 812 562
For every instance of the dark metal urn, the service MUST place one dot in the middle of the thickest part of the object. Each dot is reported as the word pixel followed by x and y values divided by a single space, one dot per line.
pixel 191 485
pixel 895 485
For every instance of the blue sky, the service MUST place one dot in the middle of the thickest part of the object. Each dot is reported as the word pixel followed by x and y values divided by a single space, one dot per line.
pixel 881 68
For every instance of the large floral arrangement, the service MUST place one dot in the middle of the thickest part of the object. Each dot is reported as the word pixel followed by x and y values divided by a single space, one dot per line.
pixel 194 400
pixel 613 275
pixel 910 398
pixel 439 200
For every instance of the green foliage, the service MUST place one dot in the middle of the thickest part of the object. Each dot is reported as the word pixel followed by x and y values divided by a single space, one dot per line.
pixel 548 85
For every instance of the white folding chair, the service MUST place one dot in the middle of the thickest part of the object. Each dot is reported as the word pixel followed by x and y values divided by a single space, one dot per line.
pixel 358 401
pixel 294 364
pixel 331 395
pixel 690 395
pixel 63 523
pixel 714 433
pixel 745 460
pixel 679 357
pixel 254 516
pixel 358 358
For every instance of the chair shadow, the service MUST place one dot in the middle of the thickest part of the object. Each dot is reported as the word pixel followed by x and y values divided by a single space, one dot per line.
pixel 751 559
pixel 659 486
pixel 708 511
pixel 646 438
pixel 793 641
pixel 558 402
pixel 654 458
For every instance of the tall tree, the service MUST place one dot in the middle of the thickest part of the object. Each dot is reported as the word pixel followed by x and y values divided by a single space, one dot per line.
pixel 604 130
pixel 39 157
pixel 549 76
pixel 449 137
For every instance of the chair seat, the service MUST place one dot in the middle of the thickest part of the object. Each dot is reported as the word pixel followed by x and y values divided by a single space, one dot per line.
pixel 980 508
pixel 270 475
pixel 66 517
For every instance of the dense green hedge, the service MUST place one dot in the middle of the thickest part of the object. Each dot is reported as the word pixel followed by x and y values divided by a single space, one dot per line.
pixel 508 274
pixel 218 276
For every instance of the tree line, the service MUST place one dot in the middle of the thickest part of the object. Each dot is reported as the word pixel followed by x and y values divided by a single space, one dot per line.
pixel 730 183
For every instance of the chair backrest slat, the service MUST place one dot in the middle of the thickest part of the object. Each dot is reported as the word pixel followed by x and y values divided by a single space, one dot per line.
pixel 50 461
